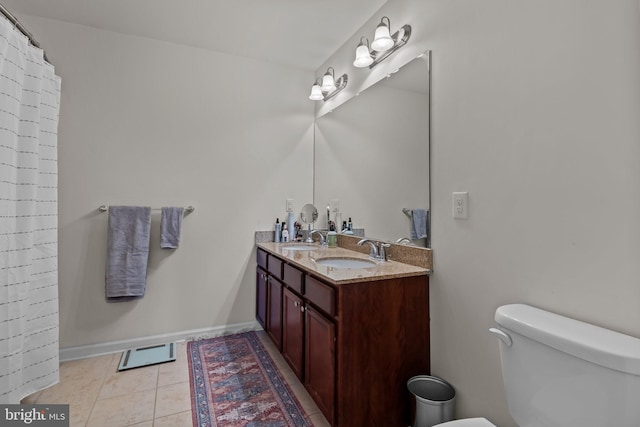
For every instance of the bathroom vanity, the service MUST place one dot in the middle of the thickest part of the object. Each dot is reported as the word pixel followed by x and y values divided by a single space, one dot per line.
pixel 352 336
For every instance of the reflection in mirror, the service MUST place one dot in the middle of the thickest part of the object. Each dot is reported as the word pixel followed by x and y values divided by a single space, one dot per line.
pixel 309 215
pixel 372 155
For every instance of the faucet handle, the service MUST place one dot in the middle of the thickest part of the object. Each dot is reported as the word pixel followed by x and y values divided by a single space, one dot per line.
pixel 382 253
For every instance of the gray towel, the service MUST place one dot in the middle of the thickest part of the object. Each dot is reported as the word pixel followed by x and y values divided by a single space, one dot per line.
pixel 170 225
pixel 127 252
pixel 419 218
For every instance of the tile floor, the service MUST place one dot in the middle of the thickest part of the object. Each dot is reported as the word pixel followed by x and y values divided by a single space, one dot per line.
pixel 155 396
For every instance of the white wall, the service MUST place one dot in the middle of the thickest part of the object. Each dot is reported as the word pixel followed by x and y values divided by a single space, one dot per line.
pixel 535 108
pixel 145 122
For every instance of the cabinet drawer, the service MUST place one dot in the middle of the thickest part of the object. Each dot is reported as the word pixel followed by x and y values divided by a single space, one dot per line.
pixel 261 258
pixel 321 295
pixel 293 278
pixel 274 266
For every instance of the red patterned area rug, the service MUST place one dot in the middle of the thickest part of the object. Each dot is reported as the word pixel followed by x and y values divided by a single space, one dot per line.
pixel 235 383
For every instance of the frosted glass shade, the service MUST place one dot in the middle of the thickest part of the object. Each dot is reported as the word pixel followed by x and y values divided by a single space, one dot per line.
pixel 328 84
pixel 382 40
pixel 363 57
pixel 316 93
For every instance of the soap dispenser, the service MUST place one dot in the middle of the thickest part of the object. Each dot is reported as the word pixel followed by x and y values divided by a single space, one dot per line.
pixel 332 236
pixel 285 233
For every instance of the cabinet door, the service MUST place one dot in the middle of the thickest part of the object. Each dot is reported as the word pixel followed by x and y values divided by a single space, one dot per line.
pixel 274 312
pixel 261 297
pixel 320 361
pixel 293 331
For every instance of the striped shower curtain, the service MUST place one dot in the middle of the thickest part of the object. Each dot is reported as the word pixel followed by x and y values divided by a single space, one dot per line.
pixel 29 108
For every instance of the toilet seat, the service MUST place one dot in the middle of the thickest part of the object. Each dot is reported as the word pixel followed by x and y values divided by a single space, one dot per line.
pixel 467 422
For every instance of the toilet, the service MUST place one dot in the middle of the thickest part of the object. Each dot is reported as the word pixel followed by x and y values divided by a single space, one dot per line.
pixel 560 372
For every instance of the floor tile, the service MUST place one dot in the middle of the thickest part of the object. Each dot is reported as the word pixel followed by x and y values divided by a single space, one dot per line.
pixel 182 419
pixel 94 368
pixel 305 400
pixel 173 373
pixel 123 410
pixel 318 420
pixel 31 399
pixel 76 392
pixel 130 381
pixel 173 399
pixel 79 414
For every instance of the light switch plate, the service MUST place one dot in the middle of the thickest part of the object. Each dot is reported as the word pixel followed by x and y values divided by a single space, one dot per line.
pixel 460 205
pixel 289 207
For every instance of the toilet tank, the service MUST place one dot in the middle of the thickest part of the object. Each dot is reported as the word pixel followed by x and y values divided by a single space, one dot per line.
pixel 560 372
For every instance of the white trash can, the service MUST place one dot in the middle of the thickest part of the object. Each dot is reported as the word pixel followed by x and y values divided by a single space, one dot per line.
pixel 434 400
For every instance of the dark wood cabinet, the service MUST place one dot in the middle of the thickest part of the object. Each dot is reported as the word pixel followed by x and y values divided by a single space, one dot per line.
pixel 274 311
pixel 320 361
pixel 293 331
pixel 261 297
pixel 353 345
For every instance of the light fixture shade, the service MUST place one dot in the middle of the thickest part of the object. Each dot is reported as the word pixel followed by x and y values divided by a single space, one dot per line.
pixel 328 82
pixel 382 40
pixel 316 93
pixel 363 56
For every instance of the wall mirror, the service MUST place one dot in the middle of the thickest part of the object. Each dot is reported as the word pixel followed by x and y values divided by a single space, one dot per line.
pixel 371 154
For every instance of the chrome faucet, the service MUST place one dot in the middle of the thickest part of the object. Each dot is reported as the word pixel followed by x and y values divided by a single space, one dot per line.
pixel 378 249
pixel 323 237
pixel 404 241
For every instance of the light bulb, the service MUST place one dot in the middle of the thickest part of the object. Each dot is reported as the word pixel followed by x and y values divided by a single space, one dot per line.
pixel 328 83
pixel 382 40
pixel 363 56
pixel 316 93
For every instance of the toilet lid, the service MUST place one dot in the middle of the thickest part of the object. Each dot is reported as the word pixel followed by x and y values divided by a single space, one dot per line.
pixel 467 422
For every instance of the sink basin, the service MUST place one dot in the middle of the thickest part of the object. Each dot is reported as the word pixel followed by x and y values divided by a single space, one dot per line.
pixel 350 263
pixel 300 247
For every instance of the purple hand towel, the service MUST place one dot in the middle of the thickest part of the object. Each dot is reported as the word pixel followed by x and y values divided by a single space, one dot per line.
pixel 170 225
pixel 127 252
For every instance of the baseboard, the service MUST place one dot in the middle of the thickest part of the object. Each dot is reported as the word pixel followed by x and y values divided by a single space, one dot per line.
pixel 84 351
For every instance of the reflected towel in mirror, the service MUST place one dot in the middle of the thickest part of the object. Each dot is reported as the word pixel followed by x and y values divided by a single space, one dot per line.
pixel 419 221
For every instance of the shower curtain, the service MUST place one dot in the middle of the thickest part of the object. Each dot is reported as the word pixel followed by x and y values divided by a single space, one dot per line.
pixel 29 108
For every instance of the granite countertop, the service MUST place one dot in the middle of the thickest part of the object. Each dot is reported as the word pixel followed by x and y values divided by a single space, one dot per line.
pixel 306 260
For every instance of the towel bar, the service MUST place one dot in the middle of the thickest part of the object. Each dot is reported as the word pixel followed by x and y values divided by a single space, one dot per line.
pixel 188 209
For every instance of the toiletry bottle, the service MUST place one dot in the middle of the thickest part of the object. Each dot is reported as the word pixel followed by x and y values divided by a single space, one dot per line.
pixel 344 226
pixel 278 231
pixel 291 227
pixel 348 229
pixel 285 234
pixel 332 237
pixel 297 227
pixel 338 219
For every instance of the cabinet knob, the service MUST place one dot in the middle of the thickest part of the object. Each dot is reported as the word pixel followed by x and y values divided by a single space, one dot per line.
pixel 302 309
pixel 296 303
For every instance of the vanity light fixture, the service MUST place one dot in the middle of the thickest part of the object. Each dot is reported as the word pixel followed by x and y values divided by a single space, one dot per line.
pixel 328 87
pixel 382 46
